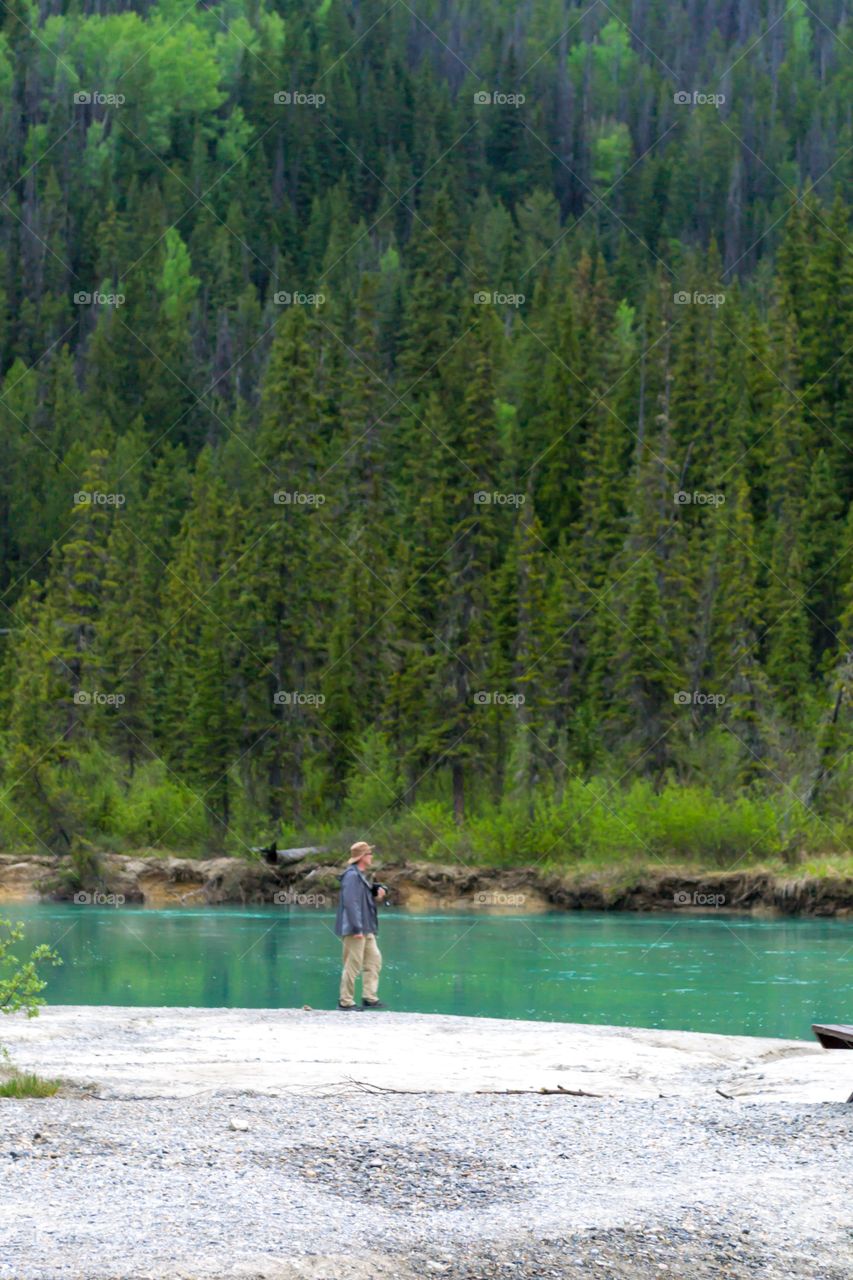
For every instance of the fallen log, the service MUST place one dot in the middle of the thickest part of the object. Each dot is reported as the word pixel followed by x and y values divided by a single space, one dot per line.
pixel 274 856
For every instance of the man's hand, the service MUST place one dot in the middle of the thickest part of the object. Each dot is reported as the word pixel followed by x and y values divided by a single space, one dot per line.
pixel 356 935
pixel 380 894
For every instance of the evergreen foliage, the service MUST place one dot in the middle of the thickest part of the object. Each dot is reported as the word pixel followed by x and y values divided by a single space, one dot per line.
pixel 377 447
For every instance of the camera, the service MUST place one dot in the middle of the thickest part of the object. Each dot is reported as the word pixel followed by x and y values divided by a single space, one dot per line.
pixel 376 886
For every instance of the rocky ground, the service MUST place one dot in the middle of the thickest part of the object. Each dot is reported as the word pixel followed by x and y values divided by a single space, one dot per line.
pixel 406 1187
pixel 205 1144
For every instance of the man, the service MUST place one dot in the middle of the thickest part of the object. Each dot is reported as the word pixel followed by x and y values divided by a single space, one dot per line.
pixel 357 924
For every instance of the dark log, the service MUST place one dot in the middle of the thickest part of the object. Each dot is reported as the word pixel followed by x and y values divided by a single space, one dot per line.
pixel 274 856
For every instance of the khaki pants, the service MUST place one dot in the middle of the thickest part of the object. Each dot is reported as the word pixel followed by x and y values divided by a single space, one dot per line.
pixel 361 955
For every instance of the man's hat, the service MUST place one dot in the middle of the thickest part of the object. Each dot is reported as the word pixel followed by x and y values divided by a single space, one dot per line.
pixel 358 850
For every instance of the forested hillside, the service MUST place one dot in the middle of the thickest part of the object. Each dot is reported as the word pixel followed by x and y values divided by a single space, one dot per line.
pixel 428 419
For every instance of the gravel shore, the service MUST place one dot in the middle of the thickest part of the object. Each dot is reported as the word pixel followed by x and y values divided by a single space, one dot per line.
pixel 285 1144
pixel 405 1187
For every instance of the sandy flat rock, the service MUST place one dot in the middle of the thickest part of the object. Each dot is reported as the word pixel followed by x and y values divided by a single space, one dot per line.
pixel 281 1052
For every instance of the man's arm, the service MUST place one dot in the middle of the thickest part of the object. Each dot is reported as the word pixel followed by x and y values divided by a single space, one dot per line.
pixel 352 902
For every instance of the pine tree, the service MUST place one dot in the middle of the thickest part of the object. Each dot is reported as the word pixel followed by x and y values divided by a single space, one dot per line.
pixel 645 682
pixel 84 581
pixel 787 639
pixel 282 578
pixel 537 650
pixel 130 638
pixel 558 396
pixel 821 535
pixel 733 665
pixel 212 720
pixel 466 630
pixel 38 769
pixel 192 576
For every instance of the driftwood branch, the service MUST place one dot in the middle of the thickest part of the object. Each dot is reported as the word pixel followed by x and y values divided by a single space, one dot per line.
pixel 560 1089
pixel 367 1087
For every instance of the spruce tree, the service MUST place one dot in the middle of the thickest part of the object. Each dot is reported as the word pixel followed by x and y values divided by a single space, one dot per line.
pixel 787 640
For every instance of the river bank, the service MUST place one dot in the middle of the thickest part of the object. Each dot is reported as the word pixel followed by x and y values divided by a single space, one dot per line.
pixel 161 881
pixel 297 1144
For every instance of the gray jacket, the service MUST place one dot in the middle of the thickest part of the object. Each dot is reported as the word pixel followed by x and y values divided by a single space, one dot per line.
pixel 356 906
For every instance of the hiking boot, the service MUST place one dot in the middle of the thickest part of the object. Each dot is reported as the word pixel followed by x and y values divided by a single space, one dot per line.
pixel 372 1004
pixel 349 1008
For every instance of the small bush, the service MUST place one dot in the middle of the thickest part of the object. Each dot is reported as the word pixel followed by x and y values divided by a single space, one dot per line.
pixel 373 786
pixel 157 809
pixel 20 982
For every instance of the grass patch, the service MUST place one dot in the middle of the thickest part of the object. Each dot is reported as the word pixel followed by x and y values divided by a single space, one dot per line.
pixel 26 1084
pixel 830 867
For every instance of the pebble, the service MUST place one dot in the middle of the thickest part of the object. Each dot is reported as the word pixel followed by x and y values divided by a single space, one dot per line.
pixel 398 1187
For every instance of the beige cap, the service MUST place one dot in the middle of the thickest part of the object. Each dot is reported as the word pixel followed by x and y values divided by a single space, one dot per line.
pixel 358 850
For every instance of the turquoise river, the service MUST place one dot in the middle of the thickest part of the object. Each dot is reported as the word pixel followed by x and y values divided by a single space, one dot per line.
pixel 716 972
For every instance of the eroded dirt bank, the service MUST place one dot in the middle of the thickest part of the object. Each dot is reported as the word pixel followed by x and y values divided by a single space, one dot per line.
pixel 421 886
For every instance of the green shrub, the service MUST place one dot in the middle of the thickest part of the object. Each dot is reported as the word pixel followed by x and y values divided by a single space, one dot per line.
pixel 157 809
pixel 20 982
pixel 373 786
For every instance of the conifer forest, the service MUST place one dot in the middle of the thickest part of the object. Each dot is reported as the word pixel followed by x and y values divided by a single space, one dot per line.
pixel 430 423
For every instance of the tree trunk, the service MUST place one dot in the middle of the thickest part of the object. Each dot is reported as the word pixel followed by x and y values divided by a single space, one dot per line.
pixel 458 793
